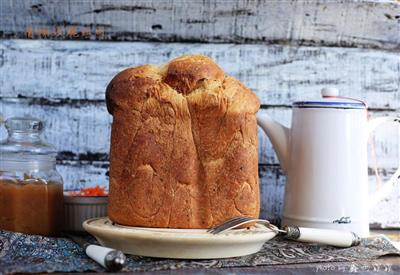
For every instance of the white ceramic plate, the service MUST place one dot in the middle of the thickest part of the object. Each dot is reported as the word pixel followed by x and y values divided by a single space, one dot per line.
pixel 178 243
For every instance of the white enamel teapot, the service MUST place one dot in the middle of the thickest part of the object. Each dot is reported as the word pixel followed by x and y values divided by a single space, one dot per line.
pixel 324 155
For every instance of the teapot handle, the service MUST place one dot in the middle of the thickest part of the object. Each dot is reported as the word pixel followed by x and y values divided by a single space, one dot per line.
pixel 395 179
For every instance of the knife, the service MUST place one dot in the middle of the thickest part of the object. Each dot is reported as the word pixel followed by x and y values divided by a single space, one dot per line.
pixel 110 259
pixel 339 238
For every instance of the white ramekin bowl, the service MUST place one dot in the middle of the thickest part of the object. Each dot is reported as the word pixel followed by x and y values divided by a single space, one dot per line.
pixel 78 209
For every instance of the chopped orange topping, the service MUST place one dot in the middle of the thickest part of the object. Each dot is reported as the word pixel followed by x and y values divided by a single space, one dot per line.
pixel 96 191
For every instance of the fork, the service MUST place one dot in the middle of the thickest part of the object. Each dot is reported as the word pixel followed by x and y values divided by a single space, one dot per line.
pixel 337 238
pixel 239 221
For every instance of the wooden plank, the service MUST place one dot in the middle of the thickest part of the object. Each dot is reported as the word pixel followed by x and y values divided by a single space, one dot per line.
pixel 384 144
pixel 77 174
pixel 69 72
pixel 366 23
pixel 81 134
pixel 272 190
pixel 82 131
pixel 385 214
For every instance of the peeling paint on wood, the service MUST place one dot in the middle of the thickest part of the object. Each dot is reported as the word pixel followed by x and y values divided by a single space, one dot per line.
pixel 368 23
pixel 70 73
pixel 385 140
pixel 272 187
pixel 82 136
pixel 78 174
pixel 386 213
pixel 64 83
pixel 83 133
pixel 82 130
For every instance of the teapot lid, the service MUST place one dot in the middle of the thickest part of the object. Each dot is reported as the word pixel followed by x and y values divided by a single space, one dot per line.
pixel 331 99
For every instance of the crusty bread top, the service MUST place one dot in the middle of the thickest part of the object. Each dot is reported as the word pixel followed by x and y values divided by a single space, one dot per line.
pixel 183 146
pixel 186 76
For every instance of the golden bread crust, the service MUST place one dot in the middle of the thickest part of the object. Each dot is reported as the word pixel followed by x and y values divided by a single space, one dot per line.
pixel 183 146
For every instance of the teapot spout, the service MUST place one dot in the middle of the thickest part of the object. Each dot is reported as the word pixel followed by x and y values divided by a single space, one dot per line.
pixel 279 136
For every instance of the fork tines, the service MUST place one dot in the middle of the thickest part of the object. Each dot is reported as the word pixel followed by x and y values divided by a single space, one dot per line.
pixel 229 224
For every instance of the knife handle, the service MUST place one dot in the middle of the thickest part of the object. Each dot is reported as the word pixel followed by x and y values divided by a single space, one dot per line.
pixel 332 237
pixel 110 259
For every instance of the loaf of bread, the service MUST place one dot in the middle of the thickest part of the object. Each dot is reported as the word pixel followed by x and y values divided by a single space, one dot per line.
pixel 183 146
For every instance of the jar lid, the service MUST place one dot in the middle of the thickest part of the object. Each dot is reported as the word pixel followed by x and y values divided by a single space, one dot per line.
pixel 24 137
pixel 331 99
pixel 24 124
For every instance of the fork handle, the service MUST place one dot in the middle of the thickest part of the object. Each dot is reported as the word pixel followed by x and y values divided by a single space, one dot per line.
pixel 322 236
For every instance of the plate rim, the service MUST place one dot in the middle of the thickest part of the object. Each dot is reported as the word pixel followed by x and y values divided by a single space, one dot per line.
pixel 163 234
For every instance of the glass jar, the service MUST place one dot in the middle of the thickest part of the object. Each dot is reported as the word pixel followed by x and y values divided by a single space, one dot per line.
pixel 31 190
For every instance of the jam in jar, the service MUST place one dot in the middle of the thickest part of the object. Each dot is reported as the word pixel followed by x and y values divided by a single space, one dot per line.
pixel 31 190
